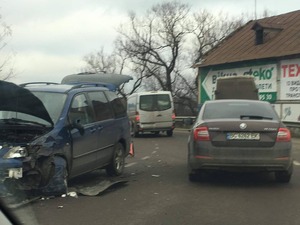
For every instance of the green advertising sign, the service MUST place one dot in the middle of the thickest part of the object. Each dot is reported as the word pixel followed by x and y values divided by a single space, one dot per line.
pixel 268 96
pixel 265 79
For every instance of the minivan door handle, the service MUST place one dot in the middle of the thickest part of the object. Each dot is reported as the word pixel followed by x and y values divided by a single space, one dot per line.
pixel 93 130
pixel 159 115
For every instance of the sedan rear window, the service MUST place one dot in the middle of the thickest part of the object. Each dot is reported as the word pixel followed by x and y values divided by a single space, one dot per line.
pixel 239 110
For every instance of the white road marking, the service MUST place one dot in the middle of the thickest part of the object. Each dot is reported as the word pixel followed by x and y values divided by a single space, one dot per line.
pixel 146 157
pixel 296 163
pixel 130 164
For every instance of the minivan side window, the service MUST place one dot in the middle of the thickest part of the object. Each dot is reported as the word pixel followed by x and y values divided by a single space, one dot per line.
pixel 101 106
pixel 80 111
pixel 155 102
pixel 118 104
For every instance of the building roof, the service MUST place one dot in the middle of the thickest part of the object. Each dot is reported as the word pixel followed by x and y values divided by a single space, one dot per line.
pixel 281 37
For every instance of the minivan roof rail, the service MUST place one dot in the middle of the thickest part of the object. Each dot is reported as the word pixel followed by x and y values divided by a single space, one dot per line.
pixel 111 87
pixel 34 83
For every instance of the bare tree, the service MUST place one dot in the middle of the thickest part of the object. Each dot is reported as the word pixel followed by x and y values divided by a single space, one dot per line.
pixel 114 63
pixel 185 94
pixel 6 69
pixel 100 62
pixel 160 47
pixel 207 30
pixel 155 40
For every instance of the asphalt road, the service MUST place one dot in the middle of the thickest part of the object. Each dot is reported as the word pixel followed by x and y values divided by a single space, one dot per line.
pixel 158 192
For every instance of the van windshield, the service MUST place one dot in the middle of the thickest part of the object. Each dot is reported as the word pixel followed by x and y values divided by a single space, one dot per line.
pixel 158 102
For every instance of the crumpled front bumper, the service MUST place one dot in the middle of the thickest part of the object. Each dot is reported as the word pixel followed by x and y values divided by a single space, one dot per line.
pixel 11 168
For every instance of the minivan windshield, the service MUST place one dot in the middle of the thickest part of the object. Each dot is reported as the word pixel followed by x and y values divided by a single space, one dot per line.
pixel 157 102
pixel 53 103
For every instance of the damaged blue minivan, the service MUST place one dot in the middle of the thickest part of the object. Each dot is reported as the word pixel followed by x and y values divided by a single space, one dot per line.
pixel 52 132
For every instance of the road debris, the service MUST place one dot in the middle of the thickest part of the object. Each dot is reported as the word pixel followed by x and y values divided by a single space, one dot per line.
pixel 155 175
pixel 98 188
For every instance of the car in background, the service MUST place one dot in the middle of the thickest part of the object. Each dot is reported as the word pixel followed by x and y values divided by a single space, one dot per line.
pixel 242 136
pixel 151 111
pixel 52 132
pixel 236 87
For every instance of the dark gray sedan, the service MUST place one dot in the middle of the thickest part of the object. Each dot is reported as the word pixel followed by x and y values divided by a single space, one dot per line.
pixel 239 135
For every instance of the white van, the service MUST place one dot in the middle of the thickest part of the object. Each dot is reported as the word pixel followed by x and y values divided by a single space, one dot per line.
pixel 151 112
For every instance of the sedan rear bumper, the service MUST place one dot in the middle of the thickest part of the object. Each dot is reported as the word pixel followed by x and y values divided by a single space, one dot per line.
pixel 276 157
pixel 241 165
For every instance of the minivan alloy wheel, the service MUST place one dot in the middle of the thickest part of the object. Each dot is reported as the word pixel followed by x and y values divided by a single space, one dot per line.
pixel 116 167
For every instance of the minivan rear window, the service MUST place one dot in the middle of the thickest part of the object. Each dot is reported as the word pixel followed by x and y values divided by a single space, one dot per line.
pixel 158 102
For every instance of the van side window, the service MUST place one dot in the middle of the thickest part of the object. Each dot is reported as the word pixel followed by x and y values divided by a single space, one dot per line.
pixel 80 111
pixel 118 104
pixel 101 106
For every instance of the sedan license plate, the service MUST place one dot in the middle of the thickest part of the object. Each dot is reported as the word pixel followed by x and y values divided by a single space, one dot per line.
pixel 243 136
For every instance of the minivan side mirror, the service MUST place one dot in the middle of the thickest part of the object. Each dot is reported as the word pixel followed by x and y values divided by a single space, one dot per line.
pixel 77 125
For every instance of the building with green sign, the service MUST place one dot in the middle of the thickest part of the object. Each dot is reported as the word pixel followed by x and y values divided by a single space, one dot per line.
pixel 267 49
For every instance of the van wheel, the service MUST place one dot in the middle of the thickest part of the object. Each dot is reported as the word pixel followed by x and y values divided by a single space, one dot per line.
pixel 136 134
pixel 170 133
pixel 116 166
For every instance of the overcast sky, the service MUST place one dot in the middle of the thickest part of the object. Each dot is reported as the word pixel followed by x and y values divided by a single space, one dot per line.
pixel 50 37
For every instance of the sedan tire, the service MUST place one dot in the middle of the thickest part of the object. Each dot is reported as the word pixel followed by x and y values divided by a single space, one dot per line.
pixel 283 176
pixel 193 175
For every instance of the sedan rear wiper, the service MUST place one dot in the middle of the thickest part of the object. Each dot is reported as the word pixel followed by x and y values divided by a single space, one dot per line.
pixel 254 117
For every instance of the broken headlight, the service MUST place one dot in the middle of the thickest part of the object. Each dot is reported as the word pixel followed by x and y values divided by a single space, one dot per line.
pixel 16 152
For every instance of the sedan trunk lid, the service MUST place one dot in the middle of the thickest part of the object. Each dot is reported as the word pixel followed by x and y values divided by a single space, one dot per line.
pixel 239 133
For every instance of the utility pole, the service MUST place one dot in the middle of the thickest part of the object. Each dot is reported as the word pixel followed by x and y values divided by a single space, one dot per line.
pixel 255 16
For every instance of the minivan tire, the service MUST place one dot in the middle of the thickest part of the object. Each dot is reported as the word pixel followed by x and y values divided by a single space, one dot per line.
pixel 116 166
pixel 58 184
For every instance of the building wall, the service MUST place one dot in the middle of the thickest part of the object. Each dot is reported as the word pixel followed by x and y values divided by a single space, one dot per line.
pixel 278 82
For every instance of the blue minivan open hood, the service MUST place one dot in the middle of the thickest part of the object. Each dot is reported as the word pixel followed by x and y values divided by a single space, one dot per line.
pixel 18 99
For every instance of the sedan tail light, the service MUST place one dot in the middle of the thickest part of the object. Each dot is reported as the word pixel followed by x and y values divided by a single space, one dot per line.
pixel 283 134
pixel 201 134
